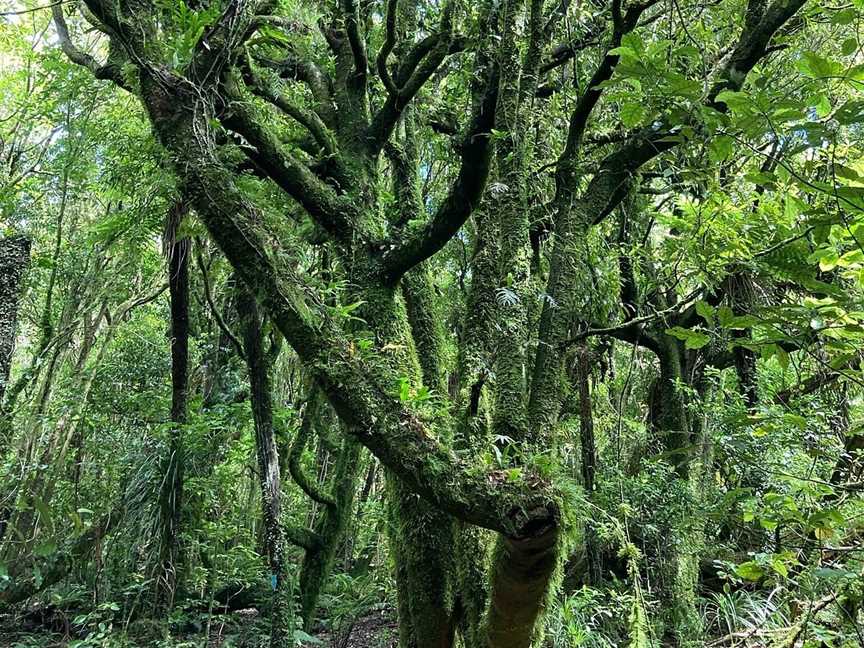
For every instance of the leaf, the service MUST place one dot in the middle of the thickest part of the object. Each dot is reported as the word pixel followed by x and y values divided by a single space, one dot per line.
pixel 302 637
pixel 623 52
pixel 782 358
pixel 818 67
pixel 45 549
pixel 735 100
pixel 705 311
pixel 721 148
pixel 750 571
pixel 692 339
pixel 849 46
pixel 632 114
pixel 779 566
pixel 822 105
pixel 845 16
pixel 725 315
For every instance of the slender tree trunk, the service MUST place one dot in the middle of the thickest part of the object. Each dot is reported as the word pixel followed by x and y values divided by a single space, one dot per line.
pixel 14 258
pixel 330 526
pixel 281 620
pixel 588 464
pixel 171 492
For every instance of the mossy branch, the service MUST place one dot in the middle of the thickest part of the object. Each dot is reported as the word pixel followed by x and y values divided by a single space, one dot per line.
pixel 300 537
pixel 296 454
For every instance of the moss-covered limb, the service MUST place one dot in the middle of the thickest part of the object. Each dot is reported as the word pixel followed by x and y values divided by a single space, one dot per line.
pixel 310 120
pixel 548 378
pixel 385 120
pixel 471 582
pixel 522 571
pixel 336 214
pixel 678 567
pixel 512 260
pixel 360 388
pixel 281 620
pixel 329 529
pixel 667 407
pixel 300 537
pixel 295 455
pixel 418 292
pixel 477 338
pixel 588 453
pixel 476 159
pixel 110 70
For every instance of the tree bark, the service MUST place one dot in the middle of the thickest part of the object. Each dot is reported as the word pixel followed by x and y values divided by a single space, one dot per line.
pixel 588 452
pixel 14 259
pixel 171 491
pixel 281 620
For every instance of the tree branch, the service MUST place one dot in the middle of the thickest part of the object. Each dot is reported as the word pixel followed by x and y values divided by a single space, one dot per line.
pixel 409 82
pixel 107 72
pixel 303 538
pixel 351 16
pixel 387 48
pixel 220 321
pixel 296 454
pixel 359 388
pixel 319 200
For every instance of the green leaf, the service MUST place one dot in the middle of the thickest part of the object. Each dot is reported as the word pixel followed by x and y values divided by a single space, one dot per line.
pixel 816 67
pixel 45 549
pixel 844 17
pixel 692 339
pixel 632 114
pixel 721 148
pixel 849 46
pixel 782 358
pixel 822 105
pixel 725 315
pixel 779 566
pixel 750 571
pixel 735 100
pixel 623 52
pixel 705 311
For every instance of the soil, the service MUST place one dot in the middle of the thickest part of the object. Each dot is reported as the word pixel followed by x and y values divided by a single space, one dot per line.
pixel 375 630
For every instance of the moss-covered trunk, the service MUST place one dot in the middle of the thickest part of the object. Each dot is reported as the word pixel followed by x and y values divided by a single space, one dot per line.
pixel 281 614
pixel 330 526
pixel 678 553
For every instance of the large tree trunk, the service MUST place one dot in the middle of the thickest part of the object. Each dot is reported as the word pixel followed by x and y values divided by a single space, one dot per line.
pixel 281 619
pixel 14 258
pixel 171 491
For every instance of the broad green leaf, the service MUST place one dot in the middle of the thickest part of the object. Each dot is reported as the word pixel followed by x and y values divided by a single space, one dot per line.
pixel 750 571
pixel 632 114
pixel 692 339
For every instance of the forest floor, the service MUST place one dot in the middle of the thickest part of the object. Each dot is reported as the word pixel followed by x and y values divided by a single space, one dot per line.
pixel 239 629
pixel 375 630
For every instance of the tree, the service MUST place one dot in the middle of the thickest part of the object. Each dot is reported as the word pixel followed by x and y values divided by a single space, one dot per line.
pixel 220 88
